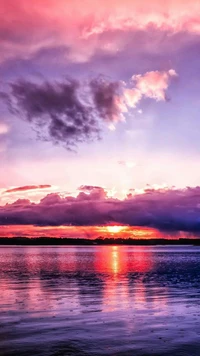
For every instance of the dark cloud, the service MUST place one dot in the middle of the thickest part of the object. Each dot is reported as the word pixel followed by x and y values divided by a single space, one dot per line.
pixel 56 110
pixel 67 112
pixel 72 111
pixel 166 210
pixel 27 187
pixel 107 97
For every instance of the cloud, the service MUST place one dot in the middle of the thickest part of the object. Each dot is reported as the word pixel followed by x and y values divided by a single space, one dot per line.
pixel 88 188
pixel 151 85
pixel 65 24
pixel 163 209
pixel 141 15
pixel 27 187
pixel 72 111
pixel 154 84
pixel 132 97
pixel 91 192
pixel 108 99
pixel 57 109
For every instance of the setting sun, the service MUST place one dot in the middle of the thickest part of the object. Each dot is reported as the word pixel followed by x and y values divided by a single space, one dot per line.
pixel 115 229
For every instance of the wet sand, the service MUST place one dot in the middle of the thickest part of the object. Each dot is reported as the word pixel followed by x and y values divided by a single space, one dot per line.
pixel 103 300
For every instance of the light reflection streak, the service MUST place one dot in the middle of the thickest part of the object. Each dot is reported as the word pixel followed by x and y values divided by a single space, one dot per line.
pixel 49 280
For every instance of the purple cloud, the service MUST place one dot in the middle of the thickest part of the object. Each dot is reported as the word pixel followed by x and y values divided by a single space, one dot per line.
pixel 55 108
pixel 107 98
pixel 72 111
pixel 67 112
pixel 164 209
pixel 89 188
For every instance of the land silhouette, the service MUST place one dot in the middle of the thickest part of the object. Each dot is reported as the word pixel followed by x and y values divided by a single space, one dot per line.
pixel 27 241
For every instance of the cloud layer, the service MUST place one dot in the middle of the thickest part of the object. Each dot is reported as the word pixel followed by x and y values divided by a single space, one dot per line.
pixel 78 26
pixel 163 209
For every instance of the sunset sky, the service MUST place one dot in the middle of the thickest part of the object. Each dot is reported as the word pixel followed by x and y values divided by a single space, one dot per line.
pixel 99 118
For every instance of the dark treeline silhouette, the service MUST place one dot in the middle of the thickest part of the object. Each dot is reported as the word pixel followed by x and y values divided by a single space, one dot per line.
pixel 98 241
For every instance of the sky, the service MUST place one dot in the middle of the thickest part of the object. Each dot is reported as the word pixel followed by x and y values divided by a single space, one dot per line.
pixel 99 118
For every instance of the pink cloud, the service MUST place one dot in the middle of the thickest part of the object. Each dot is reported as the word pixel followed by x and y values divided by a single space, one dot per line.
pixel 78 25
pixel 140 15
pixel 132 97
pixel 153 84
pixel 27 187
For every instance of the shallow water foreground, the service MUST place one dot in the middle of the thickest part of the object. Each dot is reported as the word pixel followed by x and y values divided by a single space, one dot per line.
pixel 100 300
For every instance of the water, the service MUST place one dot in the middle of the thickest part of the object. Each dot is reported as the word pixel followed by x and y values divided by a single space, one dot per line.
pixel 101 300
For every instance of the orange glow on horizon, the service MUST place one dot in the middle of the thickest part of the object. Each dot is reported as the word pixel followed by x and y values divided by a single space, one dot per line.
pixel 87 232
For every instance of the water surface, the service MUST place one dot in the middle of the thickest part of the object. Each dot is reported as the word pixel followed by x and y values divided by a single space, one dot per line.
pixel 100 300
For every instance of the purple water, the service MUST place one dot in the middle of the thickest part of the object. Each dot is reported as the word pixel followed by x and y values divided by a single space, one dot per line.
pixel 103 300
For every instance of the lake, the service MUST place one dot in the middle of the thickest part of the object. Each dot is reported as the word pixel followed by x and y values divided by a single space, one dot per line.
pixel 100 300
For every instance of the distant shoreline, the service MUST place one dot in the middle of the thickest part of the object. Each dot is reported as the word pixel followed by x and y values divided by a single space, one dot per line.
pixel 51 241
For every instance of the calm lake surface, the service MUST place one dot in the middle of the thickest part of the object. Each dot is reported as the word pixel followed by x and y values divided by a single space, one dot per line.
pixel 101 300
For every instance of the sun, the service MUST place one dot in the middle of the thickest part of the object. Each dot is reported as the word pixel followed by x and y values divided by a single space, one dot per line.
pixel 114 229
